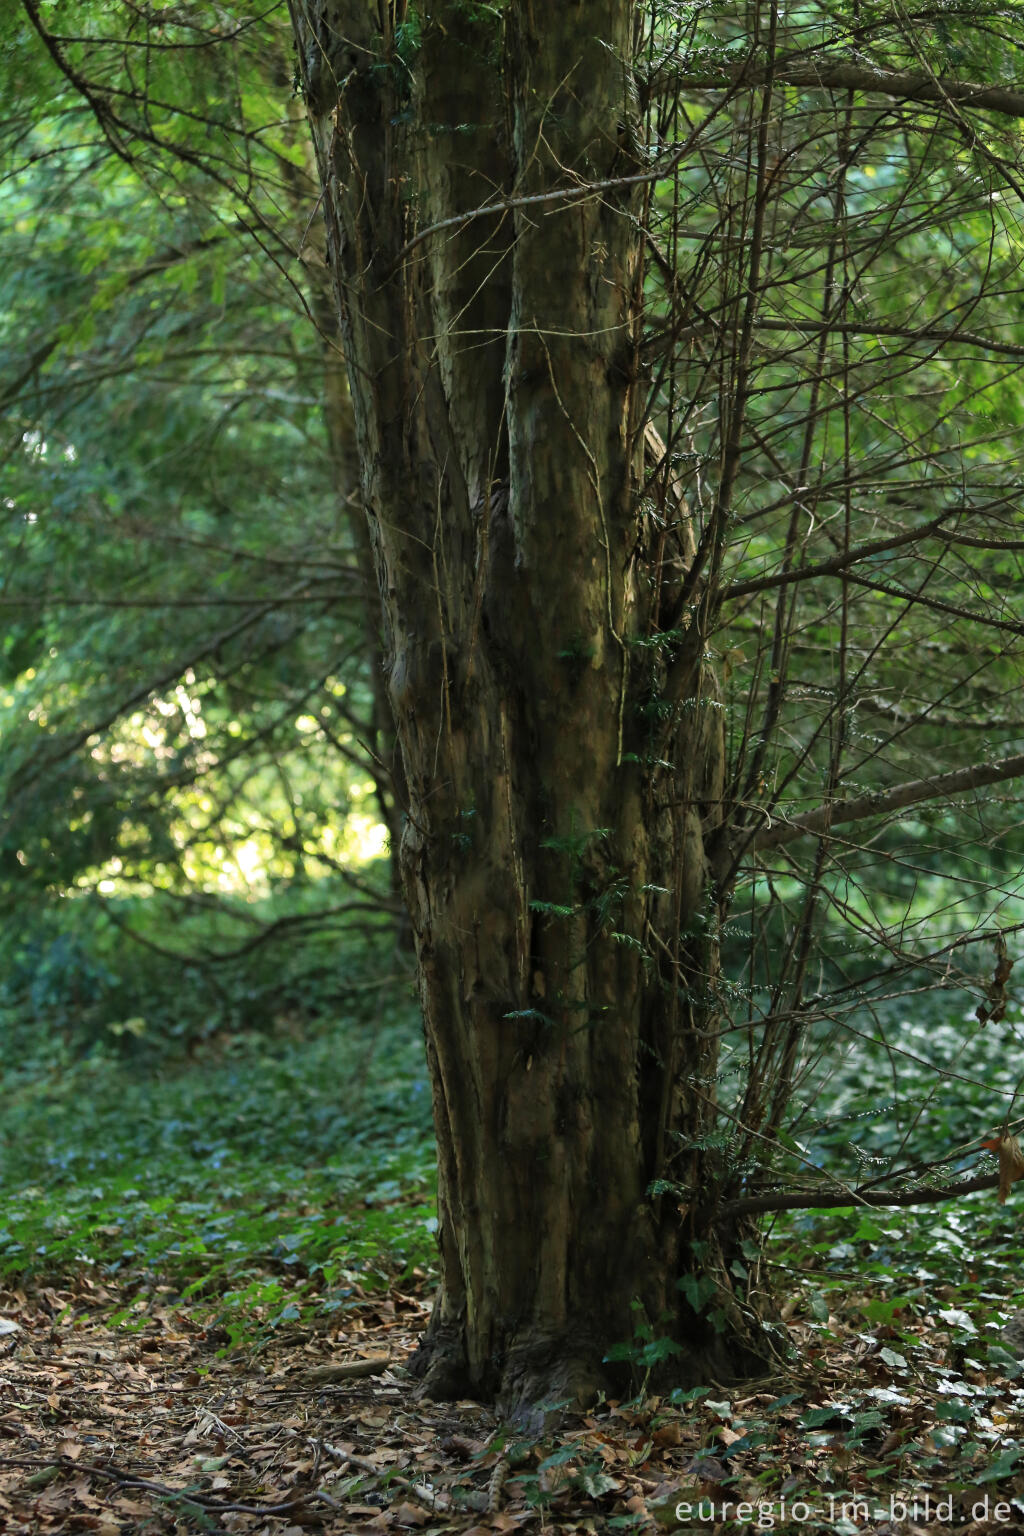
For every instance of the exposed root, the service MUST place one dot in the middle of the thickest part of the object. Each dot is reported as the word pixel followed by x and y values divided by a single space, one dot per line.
pixel 439 1364
pixel 541 1383
pixel 542 1374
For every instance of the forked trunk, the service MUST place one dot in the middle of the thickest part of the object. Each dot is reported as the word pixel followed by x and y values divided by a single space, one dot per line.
pixel 560 733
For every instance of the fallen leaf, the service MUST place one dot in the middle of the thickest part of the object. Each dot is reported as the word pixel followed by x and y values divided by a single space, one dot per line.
pixel 410 1514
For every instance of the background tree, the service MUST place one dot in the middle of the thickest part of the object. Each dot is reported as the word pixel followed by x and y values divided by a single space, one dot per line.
pixel 195 698
pixel 559 237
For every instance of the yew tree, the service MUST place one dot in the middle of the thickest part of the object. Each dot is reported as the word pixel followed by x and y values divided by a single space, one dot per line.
pixel 684 388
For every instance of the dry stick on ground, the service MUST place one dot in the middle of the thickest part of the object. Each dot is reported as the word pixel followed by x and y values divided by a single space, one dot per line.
pixel 429 1496
pixel 177 1495
pixel 434 1499
pixel 349 1370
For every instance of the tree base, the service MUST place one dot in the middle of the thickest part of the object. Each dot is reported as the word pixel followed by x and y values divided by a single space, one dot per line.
pixel 542 1378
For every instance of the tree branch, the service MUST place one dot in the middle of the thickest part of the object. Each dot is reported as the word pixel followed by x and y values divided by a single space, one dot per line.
pixel 924 334
pixel 839 562
pixel 885 801
pixel 850 75
pixel 935 604
pixel 100 109
pixel 807 1200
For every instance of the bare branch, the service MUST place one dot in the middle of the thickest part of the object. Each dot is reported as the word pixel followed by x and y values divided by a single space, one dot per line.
pixel 70 600
pixel 809 1200
pixel 886 801
pixel 90 95
pixel 851 75
pixel 839 562
pixel 925 334
pixel 935 604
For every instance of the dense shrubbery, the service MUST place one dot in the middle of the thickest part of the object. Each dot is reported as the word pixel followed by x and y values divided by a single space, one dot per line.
pixel 147 977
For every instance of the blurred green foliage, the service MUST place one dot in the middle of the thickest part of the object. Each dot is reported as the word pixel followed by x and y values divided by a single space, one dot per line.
pixel 110 974
pixel 189 687
pixel 164 1172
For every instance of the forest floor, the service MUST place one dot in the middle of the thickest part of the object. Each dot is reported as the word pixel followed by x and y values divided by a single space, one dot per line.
pixel 201 1259
pixel 164 1429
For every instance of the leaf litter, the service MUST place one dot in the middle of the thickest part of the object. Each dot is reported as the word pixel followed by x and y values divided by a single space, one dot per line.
pixel 157 1429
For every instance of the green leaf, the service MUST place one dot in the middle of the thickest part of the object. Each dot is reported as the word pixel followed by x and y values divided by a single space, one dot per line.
pixel 698 1290
pixel 816 1418
pixel 1002 1466
pixel 682 1396
pixel 818 1306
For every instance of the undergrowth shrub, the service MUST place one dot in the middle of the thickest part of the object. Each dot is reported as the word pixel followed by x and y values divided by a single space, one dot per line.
pixel 76 977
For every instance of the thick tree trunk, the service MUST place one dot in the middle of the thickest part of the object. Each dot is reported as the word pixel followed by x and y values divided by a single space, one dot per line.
pixel 561 736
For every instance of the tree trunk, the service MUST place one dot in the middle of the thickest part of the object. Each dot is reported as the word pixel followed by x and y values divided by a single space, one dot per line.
pixel 383 761
pixel 561 735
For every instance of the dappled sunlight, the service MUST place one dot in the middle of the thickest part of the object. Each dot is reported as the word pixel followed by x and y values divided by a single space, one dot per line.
pixel 366 838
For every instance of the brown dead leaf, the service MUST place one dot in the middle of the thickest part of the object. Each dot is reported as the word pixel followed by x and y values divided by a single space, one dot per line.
pixel 462 1446
pixel 54 1498
pixel 994 1006
pixel 410 1514
pixel 1011 1162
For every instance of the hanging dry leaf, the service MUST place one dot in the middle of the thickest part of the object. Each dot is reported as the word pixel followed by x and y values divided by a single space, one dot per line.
pixel 1011 1162
pixel 994 1006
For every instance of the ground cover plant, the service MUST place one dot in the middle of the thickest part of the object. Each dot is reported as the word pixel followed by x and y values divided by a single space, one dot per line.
pixel 166 1174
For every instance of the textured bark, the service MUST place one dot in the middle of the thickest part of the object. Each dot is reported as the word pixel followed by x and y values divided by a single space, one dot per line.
pixel 563 756
pixel 385 763
pixel 383 759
